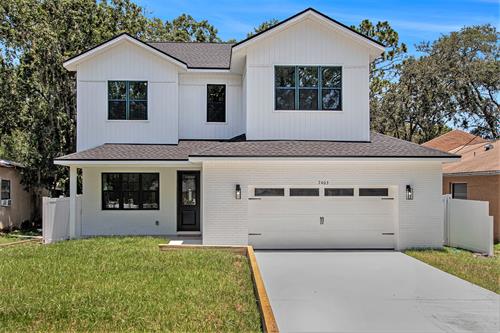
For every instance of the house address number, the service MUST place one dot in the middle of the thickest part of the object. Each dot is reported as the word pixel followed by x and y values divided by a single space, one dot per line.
pixel 322 182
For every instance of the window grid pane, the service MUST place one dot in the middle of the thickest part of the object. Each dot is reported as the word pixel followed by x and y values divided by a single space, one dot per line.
pixel 5 189
pixel 127 100
pixel 308 88
pixel 269 192
pixel 130 191
pixel 373 192
pixel 304 192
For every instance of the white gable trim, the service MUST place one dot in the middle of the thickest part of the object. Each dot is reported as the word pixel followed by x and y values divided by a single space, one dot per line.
pixel 310 13
pixel 72 63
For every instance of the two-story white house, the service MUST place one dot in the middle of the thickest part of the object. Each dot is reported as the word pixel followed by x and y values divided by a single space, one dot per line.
pixel 265 142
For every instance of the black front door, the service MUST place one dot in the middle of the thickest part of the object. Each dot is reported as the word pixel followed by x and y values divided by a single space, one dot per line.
pixel 188 201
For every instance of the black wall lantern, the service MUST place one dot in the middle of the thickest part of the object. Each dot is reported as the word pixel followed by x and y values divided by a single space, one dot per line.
pixel 238 192
pixel 409 192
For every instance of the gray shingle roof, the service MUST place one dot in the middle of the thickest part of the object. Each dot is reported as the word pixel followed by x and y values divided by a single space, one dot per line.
pixel 379 146
pixel 198 55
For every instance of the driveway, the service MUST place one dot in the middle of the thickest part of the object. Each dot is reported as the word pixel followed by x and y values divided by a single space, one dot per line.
pixel 371 291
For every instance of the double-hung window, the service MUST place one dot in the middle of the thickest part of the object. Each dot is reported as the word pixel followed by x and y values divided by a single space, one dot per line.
pixel 127 100
pixel 5 189
pixel 308 88
pixel 130 191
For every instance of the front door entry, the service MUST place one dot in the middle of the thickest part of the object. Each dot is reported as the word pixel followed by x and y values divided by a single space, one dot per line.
pixel 188 201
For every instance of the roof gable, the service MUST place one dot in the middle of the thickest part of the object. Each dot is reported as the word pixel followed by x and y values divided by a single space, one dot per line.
pixel 375 46
pixel 71 63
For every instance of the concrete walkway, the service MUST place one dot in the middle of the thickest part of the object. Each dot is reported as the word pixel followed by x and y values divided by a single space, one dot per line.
pixel 371 291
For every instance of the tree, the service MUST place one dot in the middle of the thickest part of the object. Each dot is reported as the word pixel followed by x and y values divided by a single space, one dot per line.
pixel 466 64
pixel 263 26
pixel 37 95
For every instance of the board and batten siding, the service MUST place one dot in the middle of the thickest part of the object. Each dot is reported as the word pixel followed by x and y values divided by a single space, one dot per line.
pixel 419 222
pixel 307 43
pixel 96 221
pixel 126 61
pixel 193 107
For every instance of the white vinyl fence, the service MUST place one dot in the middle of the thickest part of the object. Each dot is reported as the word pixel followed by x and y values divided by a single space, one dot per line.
pixel 55 225
pixel 468 225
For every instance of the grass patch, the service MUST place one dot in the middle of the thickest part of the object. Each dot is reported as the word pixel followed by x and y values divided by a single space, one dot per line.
pixel 124 284
pixel 483 271
pixel 4 239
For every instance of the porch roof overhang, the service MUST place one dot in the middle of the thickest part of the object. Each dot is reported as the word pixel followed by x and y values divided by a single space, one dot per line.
pixel 380 147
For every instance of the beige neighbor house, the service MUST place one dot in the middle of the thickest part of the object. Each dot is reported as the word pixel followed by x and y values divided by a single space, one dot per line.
pixel 16 204
pixel 477 175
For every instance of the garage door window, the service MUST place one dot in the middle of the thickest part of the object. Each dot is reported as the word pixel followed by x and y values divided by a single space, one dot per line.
pixel 304 192
pixel 269 192
pixel 339 192
pixel 373 192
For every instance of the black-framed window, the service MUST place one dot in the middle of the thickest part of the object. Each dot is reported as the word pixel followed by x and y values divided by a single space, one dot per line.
pixel 131 191
pixel 127 100
pixel 339 192
pixel 304 192
pixel 459 191
pixel 269 192
pixel 374 192
pixel 308 88
pixel 5 189
pixel 216 103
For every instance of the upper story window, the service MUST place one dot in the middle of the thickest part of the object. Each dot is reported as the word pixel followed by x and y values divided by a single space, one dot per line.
pixel 127 100
pixel 308 88
pixel 216 103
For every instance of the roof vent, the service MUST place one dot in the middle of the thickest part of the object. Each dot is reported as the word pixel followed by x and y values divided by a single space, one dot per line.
pixel 488 146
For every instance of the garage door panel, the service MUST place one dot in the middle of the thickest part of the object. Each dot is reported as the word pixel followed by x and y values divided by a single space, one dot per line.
pixel 294 222
pixel 343 239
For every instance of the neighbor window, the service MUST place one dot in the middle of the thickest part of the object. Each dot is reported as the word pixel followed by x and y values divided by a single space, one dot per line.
pixel 127 100
pixel 339 192
pixel 130 191
pixel 5 189
pixel 308 88
pixel 216 103
pixel 304 192
pixel 459 191
pixel 269 192
pixel 373 192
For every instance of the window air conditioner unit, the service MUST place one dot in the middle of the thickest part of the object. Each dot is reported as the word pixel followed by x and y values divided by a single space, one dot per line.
pixel 6 202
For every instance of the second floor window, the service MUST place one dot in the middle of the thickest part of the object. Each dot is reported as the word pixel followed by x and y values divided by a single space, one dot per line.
pixel 216 103
pixel 127 100
pixel 308 88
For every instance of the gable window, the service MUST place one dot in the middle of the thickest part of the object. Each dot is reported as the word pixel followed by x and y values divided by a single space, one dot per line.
pixel 216 103
pixel 459 191
pixel 5 189
pixel 127 100
pixel 130 191
pixel 308 88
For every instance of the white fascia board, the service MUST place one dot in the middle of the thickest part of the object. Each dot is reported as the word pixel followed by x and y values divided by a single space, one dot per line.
pixel 73 62
pixel 149 163
pixel 378 49
pixel 196 159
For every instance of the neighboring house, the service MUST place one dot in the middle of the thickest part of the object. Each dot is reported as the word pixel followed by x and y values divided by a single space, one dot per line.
pixel 264 142
pixel 477 175
pixel 15 202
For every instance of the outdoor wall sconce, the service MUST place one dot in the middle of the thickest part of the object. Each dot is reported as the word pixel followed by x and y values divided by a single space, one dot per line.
pixel 238 192
pixel 409 192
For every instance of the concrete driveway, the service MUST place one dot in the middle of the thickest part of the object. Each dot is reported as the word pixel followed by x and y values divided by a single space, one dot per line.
pixel 371 291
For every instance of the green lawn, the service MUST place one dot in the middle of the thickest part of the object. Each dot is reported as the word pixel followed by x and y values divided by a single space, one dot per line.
pixel 124 284
pixel 4 239
pixel 483 271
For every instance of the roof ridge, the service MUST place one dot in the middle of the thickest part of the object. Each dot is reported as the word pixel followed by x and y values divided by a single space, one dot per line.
pixel 190 42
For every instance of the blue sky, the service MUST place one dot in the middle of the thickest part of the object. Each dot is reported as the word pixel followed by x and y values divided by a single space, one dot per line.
pixel 415 21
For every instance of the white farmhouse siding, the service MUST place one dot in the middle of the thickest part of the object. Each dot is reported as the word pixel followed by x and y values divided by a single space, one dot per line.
pixel 307 43
pixel 126 61
pixel 96 221
pixel 418 222
pixel 193 107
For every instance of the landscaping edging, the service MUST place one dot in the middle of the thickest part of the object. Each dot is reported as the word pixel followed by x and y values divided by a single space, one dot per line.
pixel 20 242
pixel 268 321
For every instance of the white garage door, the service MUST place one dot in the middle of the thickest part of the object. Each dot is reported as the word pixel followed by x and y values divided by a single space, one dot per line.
pixel 293 217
